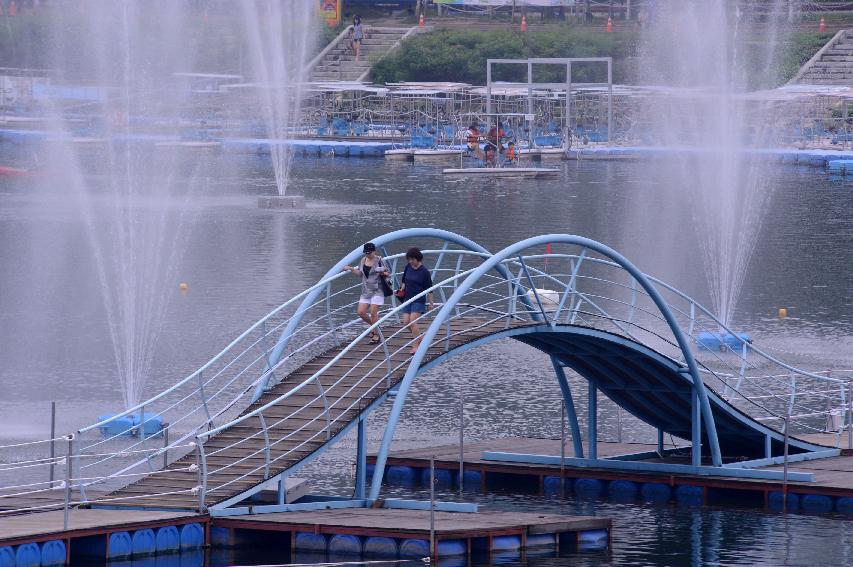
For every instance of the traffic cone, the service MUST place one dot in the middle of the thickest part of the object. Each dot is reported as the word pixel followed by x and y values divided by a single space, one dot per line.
pixel 421 21
pixel 821 27
pixel 523 24
pixel 609 24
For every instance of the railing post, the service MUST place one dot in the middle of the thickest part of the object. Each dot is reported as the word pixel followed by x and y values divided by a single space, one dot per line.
pixel 142 425
pixel 562 448
pixel 165 447
pixel 432 506
pixel 52 441
pixel 266 445
pixel 67 481
pixel 785 466
pixel 201 467
pixel 461 444
pixel 850 415
pixel 204 399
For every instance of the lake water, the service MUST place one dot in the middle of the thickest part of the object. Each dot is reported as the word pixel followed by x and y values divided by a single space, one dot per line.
pixel 240 261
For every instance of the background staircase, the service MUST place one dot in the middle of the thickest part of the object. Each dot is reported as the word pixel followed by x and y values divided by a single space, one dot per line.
pixel 832 65
pixel 337 63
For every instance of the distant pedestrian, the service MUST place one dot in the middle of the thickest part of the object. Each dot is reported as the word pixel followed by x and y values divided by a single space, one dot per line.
pixel 510 155
pixel 372 271
pixel 357 36
pixel 416 279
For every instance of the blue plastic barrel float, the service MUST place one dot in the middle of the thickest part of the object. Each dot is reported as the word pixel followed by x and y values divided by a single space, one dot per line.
pixel 120 545
pixel 541 540
pixel 844 505
pixel 655 492
pixel 588 487
pixel 552 485
pixel 443 478
pixel 168 539
pixel 28 555
pixel 506 543
pixel 593 540
pixel 622 490
pixel 470 479
pixel 775 500
pixel 144 542
pixel 414 549
pixel 192 536
pixel 220 537
pixel 381 547
pixel 345 545
pixel 400 476
pixel 7 556
pixel 450 547
pixel 53 552
pixel 689 495
pixel 311 542
pixel 816 503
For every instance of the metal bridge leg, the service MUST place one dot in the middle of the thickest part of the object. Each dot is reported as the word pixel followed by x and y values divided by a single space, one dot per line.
pixel 592 418
pixel 282 490
pixel 660 442
pixel 361 460
pixel 696 422
pixel 571 414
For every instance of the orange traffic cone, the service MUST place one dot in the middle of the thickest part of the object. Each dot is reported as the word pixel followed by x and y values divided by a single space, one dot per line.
pixel 609 24
pixel 821 27
pixel 421 21
pixel 523 24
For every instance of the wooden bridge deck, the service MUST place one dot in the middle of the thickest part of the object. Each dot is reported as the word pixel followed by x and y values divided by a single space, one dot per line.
pixel 299 422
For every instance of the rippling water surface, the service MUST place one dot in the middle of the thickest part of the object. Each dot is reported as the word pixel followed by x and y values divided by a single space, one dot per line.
pixel 240 261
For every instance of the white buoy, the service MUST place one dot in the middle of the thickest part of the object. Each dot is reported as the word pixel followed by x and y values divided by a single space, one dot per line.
pixel 549 298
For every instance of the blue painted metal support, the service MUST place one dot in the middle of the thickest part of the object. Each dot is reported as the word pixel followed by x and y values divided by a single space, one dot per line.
pixel 768 447
pixel 696 434
pixel 361 459
pixel 660 442
pixel 642 466
pixel 495 261
pixel 282 490
pixel 571 414
pixel 592 421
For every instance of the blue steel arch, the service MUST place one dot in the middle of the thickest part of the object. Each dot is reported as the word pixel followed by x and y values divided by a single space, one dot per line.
pixel 380 241
pixel 691 372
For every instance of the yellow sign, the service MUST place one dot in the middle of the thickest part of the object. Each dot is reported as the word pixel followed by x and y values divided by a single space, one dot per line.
pixel 330 10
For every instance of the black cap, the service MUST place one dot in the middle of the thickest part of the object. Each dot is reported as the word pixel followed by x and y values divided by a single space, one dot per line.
pixel 368 248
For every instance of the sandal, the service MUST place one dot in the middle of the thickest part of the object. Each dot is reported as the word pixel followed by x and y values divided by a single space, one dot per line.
pixel 374 338
pixel 414 350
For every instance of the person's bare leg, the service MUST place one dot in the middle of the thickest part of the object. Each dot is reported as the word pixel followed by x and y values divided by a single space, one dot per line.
pixel 374 317
pixel 416 332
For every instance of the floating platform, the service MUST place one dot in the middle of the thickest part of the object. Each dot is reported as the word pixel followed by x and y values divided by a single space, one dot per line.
pixel 831 488
pixel 529 172
pixel 393 533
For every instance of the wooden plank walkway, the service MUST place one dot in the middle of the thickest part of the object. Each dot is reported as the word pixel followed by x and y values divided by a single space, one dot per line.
pixel 398 523
pixel 297 425
pixel 833 476
pixel 42 526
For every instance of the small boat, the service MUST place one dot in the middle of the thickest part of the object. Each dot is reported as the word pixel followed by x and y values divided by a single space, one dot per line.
pixel 400 154
pixel 437 154
pixel 14 171
pixel 528 172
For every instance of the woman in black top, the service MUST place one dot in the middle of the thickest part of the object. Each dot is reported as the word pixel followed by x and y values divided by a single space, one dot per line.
pixel 416 279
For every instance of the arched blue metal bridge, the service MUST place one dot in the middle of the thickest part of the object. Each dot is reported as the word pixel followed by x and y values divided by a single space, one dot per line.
pixel 305 375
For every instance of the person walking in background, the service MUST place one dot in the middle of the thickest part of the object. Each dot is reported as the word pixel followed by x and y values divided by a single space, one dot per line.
pixel 416 279
pixel 371 269
pixel 357 36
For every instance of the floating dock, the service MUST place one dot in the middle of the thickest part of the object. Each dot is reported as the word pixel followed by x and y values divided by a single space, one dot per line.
pixel 488 464
pixel 405 533
pixel 529 172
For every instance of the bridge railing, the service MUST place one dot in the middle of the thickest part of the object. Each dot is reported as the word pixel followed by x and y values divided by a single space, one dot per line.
pixel 573 287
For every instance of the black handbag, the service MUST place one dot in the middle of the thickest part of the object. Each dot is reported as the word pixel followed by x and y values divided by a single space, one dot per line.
pixel 385 283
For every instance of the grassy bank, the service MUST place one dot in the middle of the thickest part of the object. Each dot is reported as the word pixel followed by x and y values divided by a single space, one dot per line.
pixel 453 55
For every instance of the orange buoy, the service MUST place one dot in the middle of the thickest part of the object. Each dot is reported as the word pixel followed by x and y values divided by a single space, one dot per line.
pixel 523 24
pixel 609 24
pixel 821 27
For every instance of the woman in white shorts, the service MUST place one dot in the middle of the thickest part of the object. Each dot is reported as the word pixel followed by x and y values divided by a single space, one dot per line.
pixel 371 269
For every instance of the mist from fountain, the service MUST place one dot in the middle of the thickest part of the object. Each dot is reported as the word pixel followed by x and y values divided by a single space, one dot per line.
pixel 137 197
pixel 279 36
pixel 710 55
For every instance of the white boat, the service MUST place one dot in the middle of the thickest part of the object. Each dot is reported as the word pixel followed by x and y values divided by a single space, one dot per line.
pixel 552 153
pixel 400 154
pixel 436 154
pixel 190 144
pixel 529 172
